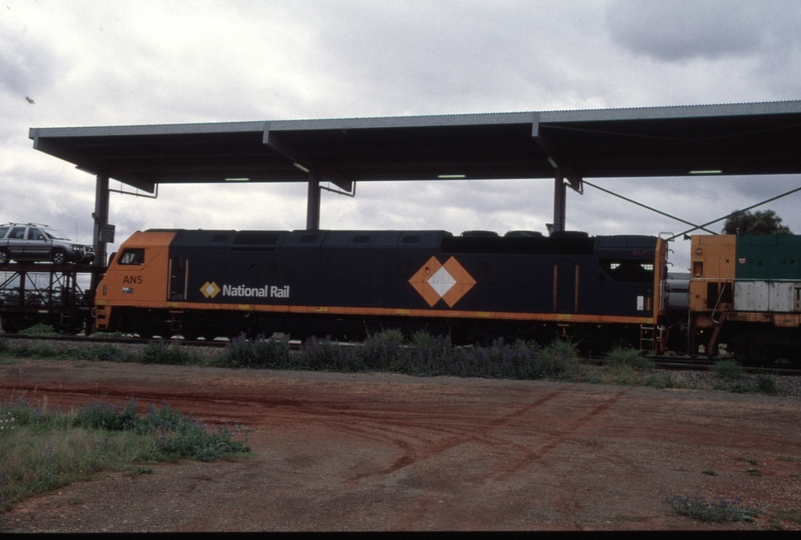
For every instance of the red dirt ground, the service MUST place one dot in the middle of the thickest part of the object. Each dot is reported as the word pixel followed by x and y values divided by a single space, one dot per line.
pixel 338 452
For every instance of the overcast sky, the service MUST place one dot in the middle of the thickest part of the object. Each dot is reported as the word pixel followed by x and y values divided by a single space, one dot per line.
pixel 87 63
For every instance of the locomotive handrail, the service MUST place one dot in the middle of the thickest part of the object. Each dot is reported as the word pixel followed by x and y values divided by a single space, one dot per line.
pixel 717 303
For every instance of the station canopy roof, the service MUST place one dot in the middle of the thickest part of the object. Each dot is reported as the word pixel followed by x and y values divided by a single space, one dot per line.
pixel 734 139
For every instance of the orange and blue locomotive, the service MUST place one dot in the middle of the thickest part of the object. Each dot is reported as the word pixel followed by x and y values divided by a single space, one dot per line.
pixel 598 290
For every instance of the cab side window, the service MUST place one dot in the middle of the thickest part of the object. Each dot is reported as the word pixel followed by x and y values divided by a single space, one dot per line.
pixel 132 256
pixel 35 234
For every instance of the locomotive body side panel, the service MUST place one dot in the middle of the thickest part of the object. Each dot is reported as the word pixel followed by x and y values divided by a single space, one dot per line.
pixel 218 280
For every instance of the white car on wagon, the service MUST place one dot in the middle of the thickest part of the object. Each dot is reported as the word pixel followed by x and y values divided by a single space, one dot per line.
pixel 36 242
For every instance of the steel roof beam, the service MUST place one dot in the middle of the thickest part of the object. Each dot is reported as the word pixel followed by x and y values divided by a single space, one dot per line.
pixel 308 163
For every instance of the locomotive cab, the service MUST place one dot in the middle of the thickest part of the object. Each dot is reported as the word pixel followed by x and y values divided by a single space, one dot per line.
pixel 133 280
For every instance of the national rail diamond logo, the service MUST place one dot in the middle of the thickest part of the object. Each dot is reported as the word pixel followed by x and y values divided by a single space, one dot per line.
pixel 435 281
pixel 210 290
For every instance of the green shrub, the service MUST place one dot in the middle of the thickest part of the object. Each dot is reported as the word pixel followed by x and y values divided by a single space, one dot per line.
pixel 104 415
pixel 712 510
pixel 259 353
pixel 101 335
pixel 46 450
pixel 423 339
pixel 26 413
pixel 428 355
pixel 766 384
pixel 727 369
pixel 325 355
pixel 559 358
pixel 105 352
pixel 623 374
pixel 39 330
pixel 177 436
pixel 35 350
pixel 629 357
pixel 383 351
pixel 159 352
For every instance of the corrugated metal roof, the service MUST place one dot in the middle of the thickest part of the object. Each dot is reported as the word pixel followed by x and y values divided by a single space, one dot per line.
pixel 736 139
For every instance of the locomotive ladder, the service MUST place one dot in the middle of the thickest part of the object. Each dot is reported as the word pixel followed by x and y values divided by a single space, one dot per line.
pixel 652 337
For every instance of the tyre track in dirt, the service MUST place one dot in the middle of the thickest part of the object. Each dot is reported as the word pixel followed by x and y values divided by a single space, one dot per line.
pixel 389 452
pixel 471 433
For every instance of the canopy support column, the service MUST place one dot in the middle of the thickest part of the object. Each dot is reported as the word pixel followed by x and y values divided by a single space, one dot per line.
pixel 313 203
pixel 100 217
pixel 559 201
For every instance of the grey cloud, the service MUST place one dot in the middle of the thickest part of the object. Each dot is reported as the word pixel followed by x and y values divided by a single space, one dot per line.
pixel 416 55
pixel 688 29
pixel 26 66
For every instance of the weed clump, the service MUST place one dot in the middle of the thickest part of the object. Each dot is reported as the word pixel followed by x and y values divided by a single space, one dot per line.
pixel 35 350
pixel 175 435
pixel 727 370
pixel 382 351
pixel 766 384
pixel 620 356
pixel 327 355
pixel 49 449
pixel 159 352
pixel 104 415
pixel 104 353
pixel 39 330
pixel 259 353
pixel 714 510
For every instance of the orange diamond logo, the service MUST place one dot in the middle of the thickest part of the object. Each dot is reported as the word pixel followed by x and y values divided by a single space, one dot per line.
pixel 210 290
pixel 435 281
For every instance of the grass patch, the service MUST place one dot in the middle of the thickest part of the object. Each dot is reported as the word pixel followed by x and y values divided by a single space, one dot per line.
pixel 259 353
pixel 422 354
pixel 162 352
pixel 633 358
pixel 791 515
pixel 46 350
pixel 766 384
pixel 714 510
pixel 43 450
pixel 109 335
pixel 40 330
pixel 727 370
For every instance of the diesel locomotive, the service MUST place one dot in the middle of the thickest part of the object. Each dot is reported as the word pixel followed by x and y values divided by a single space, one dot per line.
pixel 743 292
pixel 597 290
